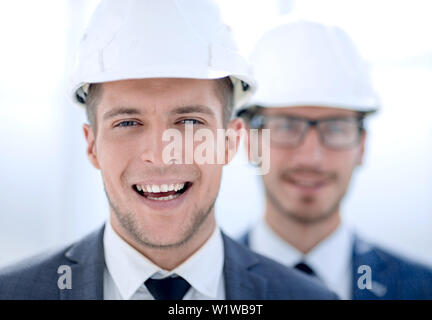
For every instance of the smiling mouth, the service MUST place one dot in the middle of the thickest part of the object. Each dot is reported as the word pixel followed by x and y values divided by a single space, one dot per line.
pixel 307 183
pixel 164 192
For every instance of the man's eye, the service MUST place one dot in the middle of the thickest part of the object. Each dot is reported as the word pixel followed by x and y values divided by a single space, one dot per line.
pixel 190 121
pixel 336 127
pixel 286 125
pixel 128 123
pixel 341 128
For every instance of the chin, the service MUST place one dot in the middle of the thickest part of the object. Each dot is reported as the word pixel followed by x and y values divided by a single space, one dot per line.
pixel 161 238
pixel 315 214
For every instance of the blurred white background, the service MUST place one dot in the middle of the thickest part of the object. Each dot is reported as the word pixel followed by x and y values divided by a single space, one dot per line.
pixel 50 194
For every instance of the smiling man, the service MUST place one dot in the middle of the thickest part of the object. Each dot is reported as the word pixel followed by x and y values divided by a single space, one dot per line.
pixel 146 68
pixel 314 96
pixel 154 204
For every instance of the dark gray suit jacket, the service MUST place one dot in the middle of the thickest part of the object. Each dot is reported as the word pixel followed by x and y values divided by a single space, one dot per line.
pixel 247 275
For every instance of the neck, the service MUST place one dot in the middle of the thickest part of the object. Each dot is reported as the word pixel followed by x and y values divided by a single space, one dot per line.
pixel 302 236
pixel 170 257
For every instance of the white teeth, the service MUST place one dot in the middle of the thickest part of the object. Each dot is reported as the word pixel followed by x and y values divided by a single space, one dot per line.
pixel 160 188
pixel 178 186
pixel 170 197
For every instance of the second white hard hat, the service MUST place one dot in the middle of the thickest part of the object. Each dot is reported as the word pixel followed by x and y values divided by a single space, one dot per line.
pixel 304 63
pixel 135 39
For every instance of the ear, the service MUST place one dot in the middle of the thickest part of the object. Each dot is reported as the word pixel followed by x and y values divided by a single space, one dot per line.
pixel 91 147
pixel 247 144
pixel 362 149
pixel 235 129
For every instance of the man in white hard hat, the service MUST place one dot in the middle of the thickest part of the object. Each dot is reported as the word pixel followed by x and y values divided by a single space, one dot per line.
pixel 145 69
pixel 314 94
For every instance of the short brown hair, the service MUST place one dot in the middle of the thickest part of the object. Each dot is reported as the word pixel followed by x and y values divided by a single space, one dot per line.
pixel 224 89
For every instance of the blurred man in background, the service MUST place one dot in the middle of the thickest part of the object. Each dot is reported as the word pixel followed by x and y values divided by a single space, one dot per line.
pixel 147 68
pixel 314 95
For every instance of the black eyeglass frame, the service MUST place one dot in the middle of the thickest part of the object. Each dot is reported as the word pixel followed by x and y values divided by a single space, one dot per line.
pixel 256 120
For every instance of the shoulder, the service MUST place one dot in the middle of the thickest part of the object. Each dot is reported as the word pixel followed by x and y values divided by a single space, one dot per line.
pixel 413 279
pixel 37 277
pixel 282 282
pixel 34 277
pixel 389 260
pixel 404 266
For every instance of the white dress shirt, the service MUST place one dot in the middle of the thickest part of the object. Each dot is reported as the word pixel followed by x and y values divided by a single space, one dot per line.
pixel 331 259
pixel 127 270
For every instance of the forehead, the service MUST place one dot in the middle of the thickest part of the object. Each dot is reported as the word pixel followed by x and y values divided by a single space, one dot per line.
pixel 148 94
pixel 311 111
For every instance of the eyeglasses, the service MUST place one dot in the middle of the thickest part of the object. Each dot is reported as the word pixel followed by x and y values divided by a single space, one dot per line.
pixel 289 131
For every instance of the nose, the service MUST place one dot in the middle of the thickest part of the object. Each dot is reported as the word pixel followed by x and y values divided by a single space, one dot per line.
pixel 152 145
pixel 310 152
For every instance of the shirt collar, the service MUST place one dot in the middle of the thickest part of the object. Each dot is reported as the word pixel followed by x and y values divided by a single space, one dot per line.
pixel 129 269
pixel 332 257
pixel 328 259
pixel 266 242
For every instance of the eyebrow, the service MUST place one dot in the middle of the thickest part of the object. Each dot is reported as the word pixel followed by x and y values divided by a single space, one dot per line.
pixel 194 109
pixel 120 111
pixel 181 110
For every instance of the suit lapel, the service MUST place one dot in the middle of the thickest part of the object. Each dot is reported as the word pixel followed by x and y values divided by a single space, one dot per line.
pixel 364 254
pixel 244 239
pixel 87 265
pixel 240 282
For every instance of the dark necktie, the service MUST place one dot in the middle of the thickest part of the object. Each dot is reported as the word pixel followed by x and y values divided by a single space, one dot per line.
pixel 171 288
pixel 305 268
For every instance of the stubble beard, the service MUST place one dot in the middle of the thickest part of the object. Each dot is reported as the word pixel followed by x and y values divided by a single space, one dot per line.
pixel 131 224
pixel 300 217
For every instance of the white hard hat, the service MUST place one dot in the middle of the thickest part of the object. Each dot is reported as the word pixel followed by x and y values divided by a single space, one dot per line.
pixel 135 39
pixel 305 63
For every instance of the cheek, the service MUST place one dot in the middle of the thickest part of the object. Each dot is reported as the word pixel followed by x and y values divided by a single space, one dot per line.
pixel 114 157
pixel 278 162
pixel 278 156
pixel 343 164
pixel 211 175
